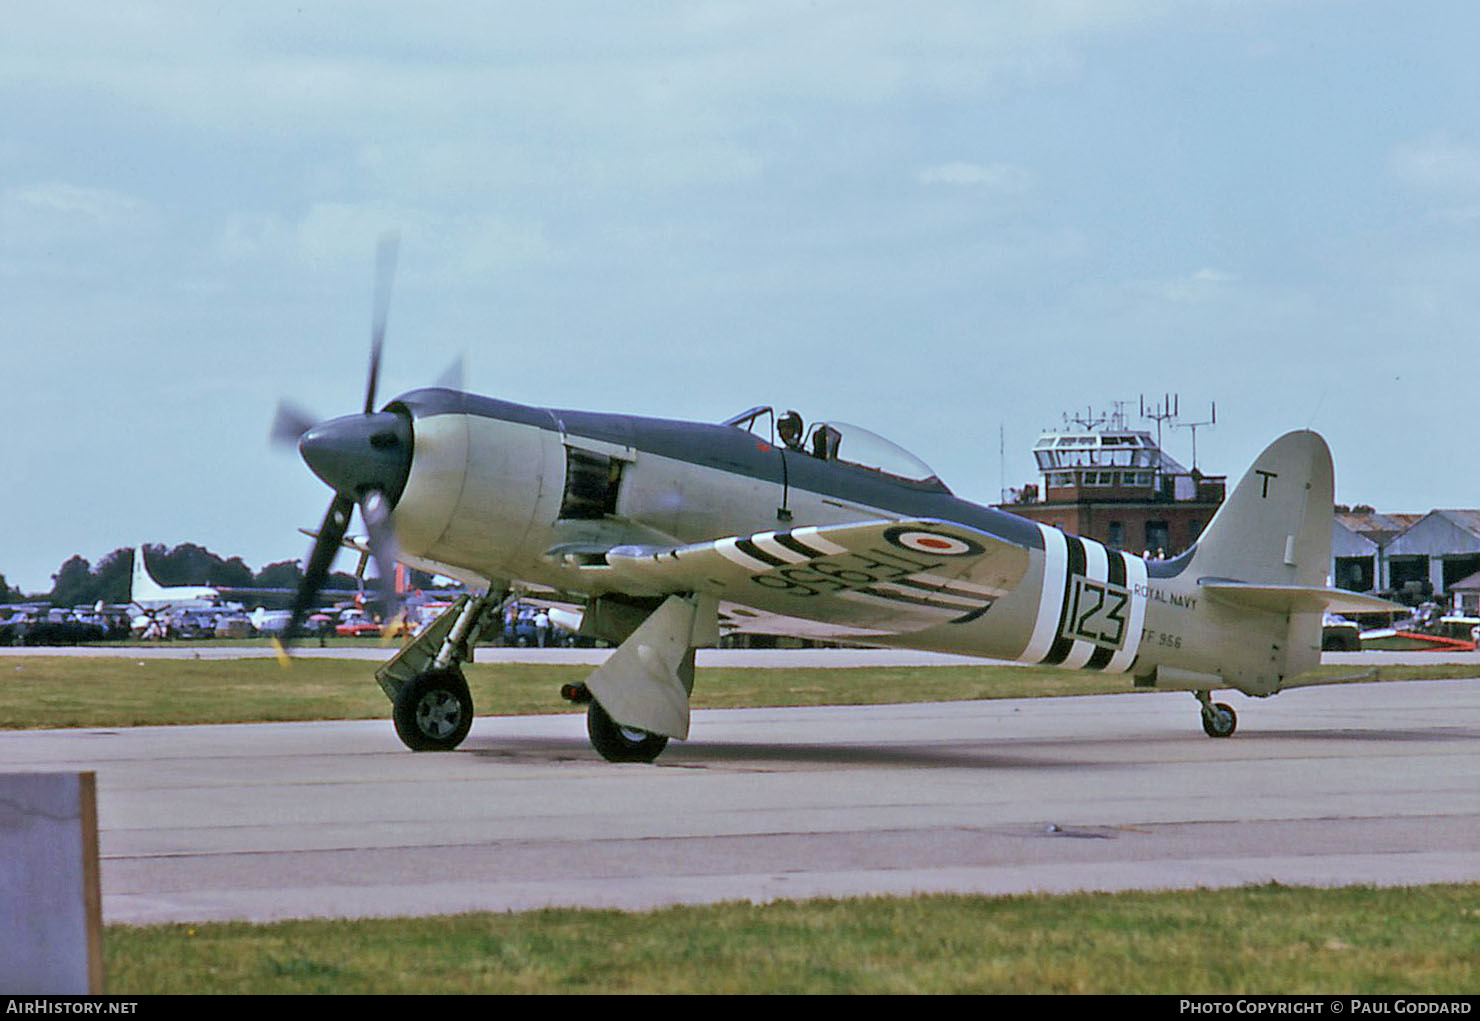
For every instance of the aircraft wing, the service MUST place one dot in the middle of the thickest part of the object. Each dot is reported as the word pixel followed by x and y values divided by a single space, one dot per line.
pixel 872 577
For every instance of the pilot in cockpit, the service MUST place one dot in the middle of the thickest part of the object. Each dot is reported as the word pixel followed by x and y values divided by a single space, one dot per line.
pixel 789 428
pixel 825 441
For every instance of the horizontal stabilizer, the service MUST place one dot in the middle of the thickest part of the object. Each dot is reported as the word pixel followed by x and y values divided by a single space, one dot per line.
pixel 1299 598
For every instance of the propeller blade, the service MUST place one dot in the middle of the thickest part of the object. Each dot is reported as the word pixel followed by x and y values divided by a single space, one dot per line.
pixel 289 424
pixel 452 376
pixel 385 272
pixel 329 447
pixel 375 510
pixel 320 559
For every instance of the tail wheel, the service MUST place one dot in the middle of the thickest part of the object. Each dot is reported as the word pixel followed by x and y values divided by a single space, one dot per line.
pixel 1222 721
pixel 617 743
pixel 434 711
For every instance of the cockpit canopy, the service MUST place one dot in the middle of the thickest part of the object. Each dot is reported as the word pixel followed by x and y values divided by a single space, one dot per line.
pixel 846 444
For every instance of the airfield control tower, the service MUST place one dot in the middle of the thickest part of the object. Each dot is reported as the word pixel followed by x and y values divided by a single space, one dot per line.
pixel 1101 479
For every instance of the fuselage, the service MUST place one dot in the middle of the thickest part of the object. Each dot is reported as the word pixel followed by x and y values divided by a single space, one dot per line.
pixel 497 492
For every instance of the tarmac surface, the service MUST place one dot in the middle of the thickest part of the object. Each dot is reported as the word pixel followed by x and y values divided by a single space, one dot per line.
pixel 1350 784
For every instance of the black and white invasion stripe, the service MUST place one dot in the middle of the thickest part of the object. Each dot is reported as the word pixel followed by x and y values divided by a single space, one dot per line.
pixel 1054 641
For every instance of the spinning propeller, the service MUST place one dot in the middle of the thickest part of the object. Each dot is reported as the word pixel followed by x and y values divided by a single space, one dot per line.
pixel 365 458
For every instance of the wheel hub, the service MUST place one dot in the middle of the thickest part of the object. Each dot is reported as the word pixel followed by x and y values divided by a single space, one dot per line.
pixel 438 714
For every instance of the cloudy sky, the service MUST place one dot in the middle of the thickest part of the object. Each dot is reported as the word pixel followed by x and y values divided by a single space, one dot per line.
pixel 946 221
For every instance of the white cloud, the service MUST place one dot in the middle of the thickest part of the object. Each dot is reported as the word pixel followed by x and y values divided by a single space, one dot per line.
pixel 1194 288
pixel 334 236
pixel 1446 168
pixel 310 71
pixel 58 201
pixel 1443 172
pixel 60 228
pixel 999 177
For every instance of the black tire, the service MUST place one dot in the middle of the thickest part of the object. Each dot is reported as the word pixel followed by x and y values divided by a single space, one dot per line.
pixel 617 743
pixel 434 711
pixel 1222 723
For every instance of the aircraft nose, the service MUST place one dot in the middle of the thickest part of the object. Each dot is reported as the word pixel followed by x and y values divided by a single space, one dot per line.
pixel 359 453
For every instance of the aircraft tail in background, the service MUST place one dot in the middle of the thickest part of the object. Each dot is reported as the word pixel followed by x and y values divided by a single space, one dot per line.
pixel 145 592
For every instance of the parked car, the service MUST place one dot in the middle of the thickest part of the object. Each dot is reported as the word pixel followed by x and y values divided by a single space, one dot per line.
pixel 1340 635
pixel 357 627
pixel 29 631
pixel 234 625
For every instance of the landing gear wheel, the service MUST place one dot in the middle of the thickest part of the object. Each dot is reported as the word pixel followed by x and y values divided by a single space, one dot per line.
pixel 434 711
pixel 1222 721
pixel 617 743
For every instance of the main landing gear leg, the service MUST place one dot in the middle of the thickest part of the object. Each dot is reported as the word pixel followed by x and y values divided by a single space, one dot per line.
pixel 639 698
pixel 1218 719
pixel 433 708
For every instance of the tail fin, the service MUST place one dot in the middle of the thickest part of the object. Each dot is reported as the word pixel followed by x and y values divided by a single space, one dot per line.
pixel 1268 549
pixel 143 585
pixel 1276 527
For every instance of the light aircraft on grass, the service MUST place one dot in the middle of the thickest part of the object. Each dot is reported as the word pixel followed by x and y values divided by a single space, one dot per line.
pixel 667 532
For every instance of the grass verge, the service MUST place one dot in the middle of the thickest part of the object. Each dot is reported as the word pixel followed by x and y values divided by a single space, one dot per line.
pixel 1267 939
pixel 61 691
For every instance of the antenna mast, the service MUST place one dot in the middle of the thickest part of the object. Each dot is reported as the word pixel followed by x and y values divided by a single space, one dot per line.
pixel 1159 413
pixel 1212 420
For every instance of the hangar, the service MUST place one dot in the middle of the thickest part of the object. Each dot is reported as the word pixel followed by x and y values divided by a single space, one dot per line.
pixel 1414 556
pixel 1358 541
pixel 1440 550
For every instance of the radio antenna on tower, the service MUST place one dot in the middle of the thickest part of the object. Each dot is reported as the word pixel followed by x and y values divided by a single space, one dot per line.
pixel 1159 413
pixel 1212 420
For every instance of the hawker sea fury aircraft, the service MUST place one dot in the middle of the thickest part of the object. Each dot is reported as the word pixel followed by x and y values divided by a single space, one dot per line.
pixel 668 531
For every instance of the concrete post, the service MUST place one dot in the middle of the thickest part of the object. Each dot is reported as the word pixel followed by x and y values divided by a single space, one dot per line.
pixel 51 924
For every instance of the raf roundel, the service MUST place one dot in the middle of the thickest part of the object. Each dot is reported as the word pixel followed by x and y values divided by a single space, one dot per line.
pixel 939 544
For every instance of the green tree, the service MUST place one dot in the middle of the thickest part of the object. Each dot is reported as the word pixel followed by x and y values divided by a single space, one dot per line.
pixel 114 575
pixel 189 564
pixel 74 583
pixel 231 573
pixel 8 594
pixel 284 574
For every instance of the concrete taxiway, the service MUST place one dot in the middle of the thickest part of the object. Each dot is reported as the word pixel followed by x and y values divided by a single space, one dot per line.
pixel 1364 783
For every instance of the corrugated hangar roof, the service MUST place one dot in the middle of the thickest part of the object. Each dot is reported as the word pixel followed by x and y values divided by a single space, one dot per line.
pixel 1440 532
pixel 1379 528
